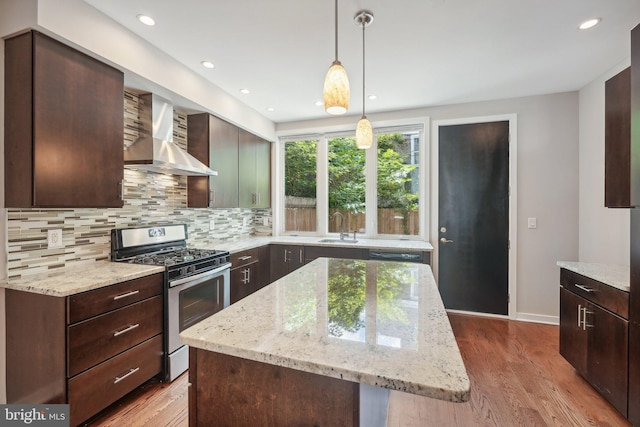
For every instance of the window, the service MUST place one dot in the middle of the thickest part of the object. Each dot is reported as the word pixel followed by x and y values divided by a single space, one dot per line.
pixel 329 182
pixel 300 185
pixel 347 187
pixel 398 183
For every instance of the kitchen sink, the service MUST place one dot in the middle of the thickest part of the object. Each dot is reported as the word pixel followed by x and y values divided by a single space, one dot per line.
pixel 336 241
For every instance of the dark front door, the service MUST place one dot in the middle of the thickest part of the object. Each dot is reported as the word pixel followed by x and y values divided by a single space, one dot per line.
pixel 473 217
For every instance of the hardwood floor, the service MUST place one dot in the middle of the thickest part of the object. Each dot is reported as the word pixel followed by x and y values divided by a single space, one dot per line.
pixel 518 378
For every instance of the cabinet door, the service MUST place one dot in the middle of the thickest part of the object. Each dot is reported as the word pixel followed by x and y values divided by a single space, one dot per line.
pixel 72 141
pixel 263 173
pixel 285 259
pixel 238 284
pixel 215 143
pixel 247 174
pixel 617 140
pixel 607 361
pixel 573 338
pixel 223 139
pixel 254 171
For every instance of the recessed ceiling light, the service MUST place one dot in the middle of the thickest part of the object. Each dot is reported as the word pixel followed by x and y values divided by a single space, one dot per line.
pixel 319 103
pixel 271 109
pixel 590 23
pixel 372 97
pixel 146 20
pixel 245 91
pixel 207 64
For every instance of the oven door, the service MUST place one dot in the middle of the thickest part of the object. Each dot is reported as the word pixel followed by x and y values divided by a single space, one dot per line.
pixel 193 299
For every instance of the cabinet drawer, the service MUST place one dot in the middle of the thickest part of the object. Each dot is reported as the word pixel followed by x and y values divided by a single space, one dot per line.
pixel 89 304
pixel 246 257
pixel 97 339
pixel 606 296
pixel 102 385
pixel 313 252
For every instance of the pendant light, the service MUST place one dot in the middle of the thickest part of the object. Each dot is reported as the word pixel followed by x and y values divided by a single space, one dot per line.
pixel 336 91
pixel 364 133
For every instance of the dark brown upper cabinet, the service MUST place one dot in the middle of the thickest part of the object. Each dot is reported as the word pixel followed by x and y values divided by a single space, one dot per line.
pixel 215 143
pixel 617 140
pixel 64 126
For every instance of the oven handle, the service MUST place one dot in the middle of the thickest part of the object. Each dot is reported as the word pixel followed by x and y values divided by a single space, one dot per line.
pixel 207 273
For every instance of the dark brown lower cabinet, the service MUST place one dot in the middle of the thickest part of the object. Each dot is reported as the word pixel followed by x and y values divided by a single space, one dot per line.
pixel 87 349
pixel 231 391
pixel 285 259
pixel 249 272
pixel 596 341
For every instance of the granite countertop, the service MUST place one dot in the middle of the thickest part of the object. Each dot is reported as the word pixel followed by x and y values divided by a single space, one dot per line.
pixel 69 281
pixel 377 323
pixel 617 276
pixel 388 244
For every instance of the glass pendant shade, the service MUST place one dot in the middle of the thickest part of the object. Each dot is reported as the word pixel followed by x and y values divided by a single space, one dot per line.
pixel 336 89
pixel 364 134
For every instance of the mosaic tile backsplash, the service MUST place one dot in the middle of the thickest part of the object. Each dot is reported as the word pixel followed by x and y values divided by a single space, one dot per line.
pixel 149 198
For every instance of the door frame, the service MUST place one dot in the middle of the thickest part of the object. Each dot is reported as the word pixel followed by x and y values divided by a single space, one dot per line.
pixel 513 199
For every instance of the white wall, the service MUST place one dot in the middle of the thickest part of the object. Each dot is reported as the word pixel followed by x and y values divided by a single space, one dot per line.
pixel 604 232
pixel 547 166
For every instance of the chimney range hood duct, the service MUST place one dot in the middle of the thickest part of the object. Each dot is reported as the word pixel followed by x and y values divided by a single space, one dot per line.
pixel 155 150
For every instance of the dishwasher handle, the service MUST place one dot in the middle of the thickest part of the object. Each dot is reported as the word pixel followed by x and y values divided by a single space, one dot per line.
pixel 396 256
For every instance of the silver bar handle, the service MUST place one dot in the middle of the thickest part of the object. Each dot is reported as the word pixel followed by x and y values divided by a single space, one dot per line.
pixel 285 255
pixel 244 258
pixel 248 276
pixel 124 331
pixel 579 315
pixel 584 288
pixel 300 256
pixel 131 372
pixel 128 294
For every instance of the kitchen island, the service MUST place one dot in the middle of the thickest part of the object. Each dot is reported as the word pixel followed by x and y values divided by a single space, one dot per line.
pixel 323 345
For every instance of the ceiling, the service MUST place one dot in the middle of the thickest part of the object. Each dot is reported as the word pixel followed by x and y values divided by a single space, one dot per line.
pixel 419 53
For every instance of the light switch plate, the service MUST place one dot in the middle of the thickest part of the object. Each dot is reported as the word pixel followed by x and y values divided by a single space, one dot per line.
pixel 265 221
pixel 532 222
pixel 54 238
pixel 212 225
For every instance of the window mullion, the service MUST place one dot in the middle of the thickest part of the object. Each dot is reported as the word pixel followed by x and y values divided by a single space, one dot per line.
pixel 322 178
pixel 371 190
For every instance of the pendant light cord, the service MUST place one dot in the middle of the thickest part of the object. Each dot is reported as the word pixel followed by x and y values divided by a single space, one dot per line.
pixel 363 68
pixel 336 28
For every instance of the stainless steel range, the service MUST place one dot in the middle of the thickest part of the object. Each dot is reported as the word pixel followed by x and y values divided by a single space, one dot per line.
pixel 196 281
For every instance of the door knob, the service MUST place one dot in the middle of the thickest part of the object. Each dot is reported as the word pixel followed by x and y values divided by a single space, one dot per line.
pixel 445 240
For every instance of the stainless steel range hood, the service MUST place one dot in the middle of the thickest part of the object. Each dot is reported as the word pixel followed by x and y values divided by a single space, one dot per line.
pixel 155 150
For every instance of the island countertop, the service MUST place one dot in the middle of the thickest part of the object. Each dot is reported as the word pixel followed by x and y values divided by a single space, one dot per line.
pixel 370 322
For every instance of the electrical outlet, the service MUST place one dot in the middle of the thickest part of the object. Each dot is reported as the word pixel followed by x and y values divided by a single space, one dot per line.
pixel 265 221
pixel 212 225
pixel 532 222
pixel 245 221
pixel 54 238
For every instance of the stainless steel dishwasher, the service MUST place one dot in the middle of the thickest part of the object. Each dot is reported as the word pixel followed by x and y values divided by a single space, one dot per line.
pixel 403 256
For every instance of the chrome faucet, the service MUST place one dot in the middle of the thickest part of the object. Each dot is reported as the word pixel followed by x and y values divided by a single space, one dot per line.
pixel 342 233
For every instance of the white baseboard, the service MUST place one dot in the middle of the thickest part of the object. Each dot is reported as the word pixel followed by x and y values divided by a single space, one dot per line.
pixel 538 318
pixel 522 317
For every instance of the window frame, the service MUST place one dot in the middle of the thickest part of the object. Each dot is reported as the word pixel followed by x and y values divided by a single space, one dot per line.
pixel 322 135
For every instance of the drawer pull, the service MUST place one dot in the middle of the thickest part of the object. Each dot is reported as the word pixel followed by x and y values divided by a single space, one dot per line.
pixel 131 372
pixel 584 288
pixel 244 258
pixel 128 294
pixel 130 328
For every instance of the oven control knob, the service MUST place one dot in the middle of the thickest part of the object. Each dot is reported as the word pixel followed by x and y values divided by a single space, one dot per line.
pixel 183 271
pixel 192 268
